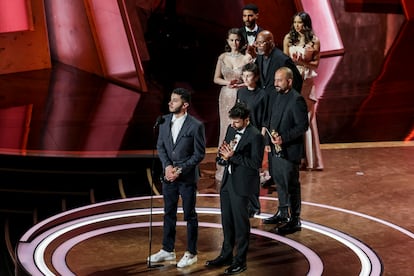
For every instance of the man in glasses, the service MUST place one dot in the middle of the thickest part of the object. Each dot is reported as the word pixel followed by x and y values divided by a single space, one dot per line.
pixel 269 59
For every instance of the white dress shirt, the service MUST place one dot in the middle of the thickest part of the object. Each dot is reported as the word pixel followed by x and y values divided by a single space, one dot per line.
pixel 236 141
pixel 176 124
pixel 250 38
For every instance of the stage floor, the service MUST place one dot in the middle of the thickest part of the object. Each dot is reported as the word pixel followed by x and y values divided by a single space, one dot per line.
pixel 356 221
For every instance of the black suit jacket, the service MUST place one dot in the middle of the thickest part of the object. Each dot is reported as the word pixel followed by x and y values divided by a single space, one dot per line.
pixel 277 59
pixel 188 150
pixel 244 33
pixel 289 117
pixel 246 161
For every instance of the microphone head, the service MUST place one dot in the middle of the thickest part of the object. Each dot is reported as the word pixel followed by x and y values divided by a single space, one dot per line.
pixel 159 121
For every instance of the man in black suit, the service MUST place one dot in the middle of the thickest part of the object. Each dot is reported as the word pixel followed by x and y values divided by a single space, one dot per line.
pixel 181 148
pixel 270 58
pixel 288 122
pixel 241 153
pixel 250 14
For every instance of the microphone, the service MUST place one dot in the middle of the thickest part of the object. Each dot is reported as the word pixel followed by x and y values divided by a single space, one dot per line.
pixel 159 121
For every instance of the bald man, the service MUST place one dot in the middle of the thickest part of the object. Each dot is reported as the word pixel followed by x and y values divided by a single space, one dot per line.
pixel 270 58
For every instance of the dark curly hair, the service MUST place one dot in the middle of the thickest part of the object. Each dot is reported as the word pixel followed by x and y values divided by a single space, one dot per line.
pixel 307 29
pixel 184 94
pixel 239 110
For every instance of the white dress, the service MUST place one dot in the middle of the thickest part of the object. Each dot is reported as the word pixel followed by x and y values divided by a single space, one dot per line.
pixel 312 145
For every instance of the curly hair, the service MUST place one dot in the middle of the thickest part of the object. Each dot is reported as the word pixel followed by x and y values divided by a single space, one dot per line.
pixel 307 29
pixel 239 110
pixel 184 94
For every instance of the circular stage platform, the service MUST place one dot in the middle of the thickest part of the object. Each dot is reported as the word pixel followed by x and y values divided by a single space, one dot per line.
pixel 115 238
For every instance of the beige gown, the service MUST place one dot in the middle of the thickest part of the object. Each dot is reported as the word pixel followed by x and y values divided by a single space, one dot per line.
pixel 227 99
pixel 312 145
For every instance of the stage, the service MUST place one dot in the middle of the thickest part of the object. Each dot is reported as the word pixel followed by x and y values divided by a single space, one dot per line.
pixel 356 221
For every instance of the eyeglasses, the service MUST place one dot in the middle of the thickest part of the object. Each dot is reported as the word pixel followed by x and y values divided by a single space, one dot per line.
pixel 260 43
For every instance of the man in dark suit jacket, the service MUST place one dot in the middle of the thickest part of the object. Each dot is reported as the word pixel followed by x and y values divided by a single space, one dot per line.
pixel 250 14
pixel 181 148
pixel 270 58
pixel 288 121
pixel 241 153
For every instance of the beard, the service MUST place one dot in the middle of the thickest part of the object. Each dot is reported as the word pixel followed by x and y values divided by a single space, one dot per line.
pixel 281 89
pixel 250 24
pixel 260 52
pixel 176 110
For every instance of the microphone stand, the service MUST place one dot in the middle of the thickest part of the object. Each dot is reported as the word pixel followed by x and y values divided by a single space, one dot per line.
pixel 150 265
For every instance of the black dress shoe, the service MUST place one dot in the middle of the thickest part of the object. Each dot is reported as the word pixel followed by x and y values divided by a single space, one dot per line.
pixel 253 212
pixel 276 219
pixel 219 261
pixel 235 268
pixel 289 228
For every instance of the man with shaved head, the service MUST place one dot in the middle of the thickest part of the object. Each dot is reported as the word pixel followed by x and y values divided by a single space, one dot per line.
pixel 288 122
pixel 270 58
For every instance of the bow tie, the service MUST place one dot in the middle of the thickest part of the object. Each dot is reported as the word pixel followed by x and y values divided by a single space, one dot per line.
pixel 251 33
pixel 239 133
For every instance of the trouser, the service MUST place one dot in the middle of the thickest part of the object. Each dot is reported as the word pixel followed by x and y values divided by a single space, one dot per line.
pixel 171 193
pixel 254 202
pixel 286 176
pixel 235 222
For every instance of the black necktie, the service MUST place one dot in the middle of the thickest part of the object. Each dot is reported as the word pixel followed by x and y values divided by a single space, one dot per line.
pixel 251 33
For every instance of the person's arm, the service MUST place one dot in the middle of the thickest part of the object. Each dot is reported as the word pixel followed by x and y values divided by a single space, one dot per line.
pixel 286 45
pixel 162 151
pixel 218 76
pixel 199 151
pixel 166 162
pixel 311 56
pixel 199 145
pixel 300 121
pixel 248 58
pixel 251 50
pixel 254 159
pixel 313 63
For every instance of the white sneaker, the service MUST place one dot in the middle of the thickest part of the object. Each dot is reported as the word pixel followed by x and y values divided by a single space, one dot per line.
pixel 187 260
pixel 161 256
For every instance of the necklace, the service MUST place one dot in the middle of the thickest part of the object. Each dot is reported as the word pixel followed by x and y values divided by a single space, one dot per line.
pixel 234 54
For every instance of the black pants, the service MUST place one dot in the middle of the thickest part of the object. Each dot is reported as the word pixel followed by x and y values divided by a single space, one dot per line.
pixel 235 222
pixel 171 193
pixel 286 176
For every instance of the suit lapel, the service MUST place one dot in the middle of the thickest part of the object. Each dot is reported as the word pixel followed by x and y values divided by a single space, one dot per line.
pixel 261 60
pixel 168 131
pixel 244 138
